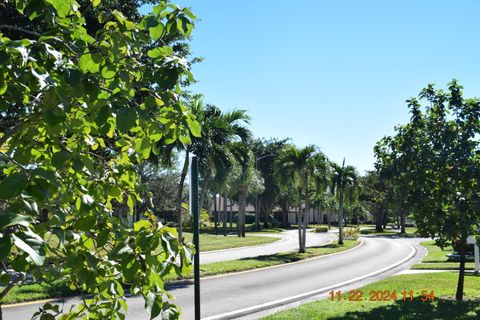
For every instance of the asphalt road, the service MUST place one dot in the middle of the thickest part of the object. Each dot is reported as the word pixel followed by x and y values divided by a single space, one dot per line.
pixel 249 293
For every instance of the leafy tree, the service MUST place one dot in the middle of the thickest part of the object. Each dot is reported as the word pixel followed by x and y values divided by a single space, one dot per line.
pixel 244 179
pixel 78 112
pixel 438 155
pixel 344 183
pixel 266 151
pixel 375 197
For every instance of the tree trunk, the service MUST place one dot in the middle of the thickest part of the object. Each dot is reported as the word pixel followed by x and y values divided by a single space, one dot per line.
pixel 340 219
pixel 242 200
pixel 284 218
pixel 403 216
pixel 461 274
pixel 305 219
pixel 329 219
pixel 264 214
pixel 215 213
pixel 225 212
pixel 231 216
pixel 257 214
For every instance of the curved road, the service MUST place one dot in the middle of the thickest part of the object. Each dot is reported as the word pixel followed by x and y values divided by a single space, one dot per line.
pixel 288 242
pixel 242 294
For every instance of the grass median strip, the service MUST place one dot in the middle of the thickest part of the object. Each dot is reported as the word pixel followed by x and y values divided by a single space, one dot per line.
pixel 210 242
pixel 442 307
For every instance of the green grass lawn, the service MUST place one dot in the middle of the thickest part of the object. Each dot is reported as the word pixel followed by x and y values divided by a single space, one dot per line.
pixel 437 258
pixel 36 292
pixel 443 307
pixel 209 242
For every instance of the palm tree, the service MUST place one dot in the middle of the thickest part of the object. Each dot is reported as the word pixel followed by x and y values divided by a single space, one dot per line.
pixel 219 130
pixel 215 149
pixel 298 164
pixel 344 182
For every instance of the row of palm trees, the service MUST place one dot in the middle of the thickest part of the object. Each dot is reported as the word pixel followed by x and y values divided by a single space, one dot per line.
pixel 227 167
pixel 315 178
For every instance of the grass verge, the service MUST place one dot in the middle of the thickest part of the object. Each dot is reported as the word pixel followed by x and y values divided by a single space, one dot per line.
pixel 443 307
pixel 209 242
pixel 437 258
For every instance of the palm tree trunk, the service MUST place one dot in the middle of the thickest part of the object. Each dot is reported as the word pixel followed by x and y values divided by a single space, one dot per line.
pixel 340 219
pixel 242 199
pixel 215 213
pixel 225 212
pixel 178 209
pixel 231 216
pixel 306 216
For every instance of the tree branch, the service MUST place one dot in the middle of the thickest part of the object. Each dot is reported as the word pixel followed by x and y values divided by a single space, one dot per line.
pixel 32 33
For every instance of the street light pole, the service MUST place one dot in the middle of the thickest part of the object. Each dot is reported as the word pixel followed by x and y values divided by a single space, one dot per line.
pixel 196 231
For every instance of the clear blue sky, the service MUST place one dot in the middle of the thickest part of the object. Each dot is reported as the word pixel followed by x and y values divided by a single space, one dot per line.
pixel 332 73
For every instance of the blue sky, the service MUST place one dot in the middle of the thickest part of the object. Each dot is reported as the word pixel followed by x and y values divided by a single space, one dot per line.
pixel 332 73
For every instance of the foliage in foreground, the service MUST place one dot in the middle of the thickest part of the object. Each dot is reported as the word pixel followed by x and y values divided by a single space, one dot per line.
pixel 78 112
pixel 443 308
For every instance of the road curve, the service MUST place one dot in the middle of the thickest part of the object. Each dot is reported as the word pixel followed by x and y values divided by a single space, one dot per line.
pixel 224 296
pixel 288 242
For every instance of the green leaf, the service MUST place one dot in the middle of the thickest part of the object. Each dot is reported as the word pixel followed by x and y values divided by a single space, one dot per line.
pixel 62 6
pixel 143 147
pixel 103 115
pixel 13 185
pixel 102 238
pixel 160 52
pixel 32 253
pixel 59 158
pixel 126 118
pixel 155 133
pixel 3 84
pixel 95 3
pixel 73 76
pixel 5 246
pixel 89 63
pixel 157 31
pixel 137 226
pixel 8 219
pixel 194 127
pixel 86 223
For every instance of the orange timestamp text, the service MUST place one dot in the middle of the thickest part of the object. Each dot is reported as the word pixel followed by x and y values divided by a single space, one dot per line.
pixel 382 295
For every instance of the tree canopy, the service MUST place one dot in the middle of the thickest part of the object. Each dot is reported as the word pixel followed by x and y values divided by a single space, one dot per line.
pixel 78 111
pixel 437 158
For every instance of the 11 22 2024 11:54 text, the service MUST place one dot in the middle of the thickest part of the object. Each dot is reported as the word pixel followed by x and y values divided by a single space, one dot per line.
pixel 382 295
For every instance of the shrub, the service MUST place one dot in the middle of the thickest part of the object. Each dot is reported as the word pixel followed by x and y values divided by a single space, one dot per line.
pixel 321 229
pixel 351 233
